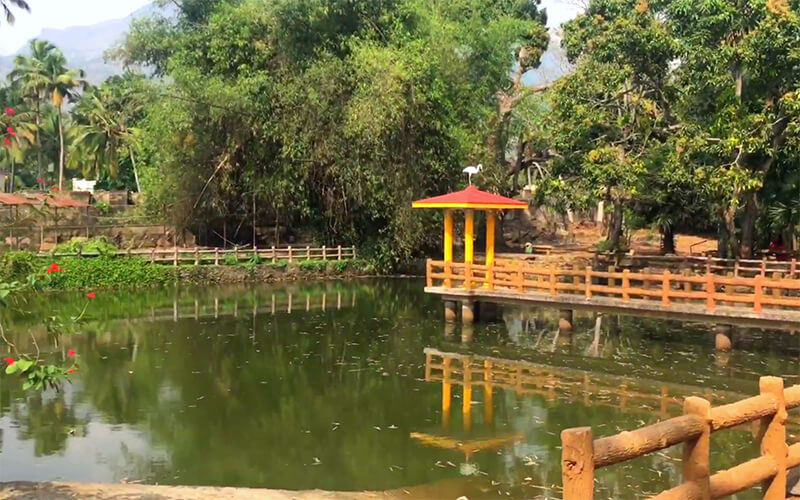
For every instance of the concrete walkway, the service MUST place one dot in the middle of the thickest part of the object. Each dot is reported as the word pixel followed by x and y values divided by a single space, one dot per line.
pixel 88 491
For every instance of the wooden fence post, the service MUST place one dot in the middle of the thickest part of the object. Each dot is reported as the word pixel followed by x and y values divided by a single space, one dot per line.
pixel 339 252
pixel 696 468
pixel 324 253
pixel 773 441
pixel 792 268
pixel 626 284
pixel 577 463
pixel 290 254
pixel 490 277
pixel 736 269
pixel 448 273
pixel 196 256
pixel 467 275
pixel 553 278
pixel 175 257
pixel 758 292
pixel 588 282
pixel 611 281
pixel 666 287
pixel 711 291
pixel 308 253
pixel 272 252
pixel 763 266
pixel 236 253
pixel 216 256
pixel 152 256
pixel 775 290
pixel 429 272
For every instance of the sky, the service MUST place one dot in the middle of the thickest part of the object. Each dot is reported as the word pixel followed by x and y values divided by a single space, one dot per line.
pixel 54 14
pixel 61 14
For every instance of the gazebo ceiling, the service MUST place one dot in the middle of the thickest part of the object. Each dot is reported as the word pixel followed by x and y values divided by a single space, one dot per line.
pixel 473 198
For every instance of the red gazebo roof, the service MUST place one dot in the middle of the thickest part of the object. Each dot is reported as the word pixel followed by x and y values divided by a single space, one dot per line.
pixel 471 197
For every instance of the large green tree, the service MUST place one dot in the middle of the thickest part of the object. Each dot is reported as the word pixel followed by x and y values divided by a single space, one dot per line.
pixel 330 114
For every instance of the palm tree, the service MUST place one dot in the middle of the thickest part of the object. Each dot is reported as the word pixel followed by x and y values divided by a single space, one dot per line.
pixel 62 85
pixel 22 4
pixel 103 133
pixel 30 77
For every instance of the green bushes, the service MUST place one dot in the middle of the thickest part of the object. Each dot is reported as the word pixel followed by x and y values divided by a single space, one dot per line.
pixel 314 266
pixel 99 245
pixel 106 272
pixel 18 265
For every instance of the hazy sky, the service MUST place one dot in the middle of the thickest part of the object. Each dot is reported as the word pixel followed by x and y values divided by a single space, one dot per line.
pixel 61 14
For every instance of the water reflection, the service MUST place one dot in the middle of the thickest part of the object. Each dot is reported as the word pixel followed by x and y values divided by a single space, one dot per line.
pixel 342 386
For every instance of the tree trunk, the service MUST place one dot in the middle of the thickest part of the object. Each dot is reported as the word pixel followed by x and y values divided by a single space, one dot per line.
pixel 13 173
pixel 749 225
pixel 38 136
pixel 135 173
pixel 61 150
pixel 729 224
pixel 668 234
pixel 615 231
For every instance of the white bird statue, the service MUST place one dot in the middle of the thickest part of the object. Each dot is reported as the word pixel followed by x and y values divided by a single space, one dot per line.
pixel 470 171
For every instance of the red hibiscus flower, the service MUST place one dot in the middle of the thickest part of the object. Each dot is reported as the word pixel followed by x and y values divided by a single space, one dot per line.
pixel 11 132
pixel 10 111
pixel 6 140
pixel 71 370
pixel 8 361
pixel 54 268
pixel 91 295
pixel 54 188
pixel 71 353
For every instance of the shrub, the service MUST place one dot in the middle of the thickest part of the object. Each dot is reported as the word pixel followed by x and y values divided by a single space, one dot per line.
pixel 18 265
pixel 279 264
pixel 107 272
pixel 230 260
pixel 100 245
pixel 315 266
pixel 339 266
pixel 103 207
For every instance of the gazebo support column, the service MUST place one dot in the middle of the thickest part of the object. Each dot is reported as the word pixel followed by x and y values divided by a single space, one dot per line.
pixel 448 235
pixel 450 311
pixel 469 235
pixel 490 215
pixel 469 312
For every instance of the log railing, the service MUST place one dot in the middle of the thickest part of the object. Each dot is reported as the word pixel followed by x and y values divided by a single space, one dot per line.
pixel 666 289
pixel 217 256
pixel 582 454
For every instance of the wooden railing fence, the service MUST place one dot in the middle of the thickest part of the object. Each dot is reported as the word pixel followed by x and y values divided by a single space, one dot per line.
pixel 582 454
pixel 709 290
pixel 217 256
pixel 737 268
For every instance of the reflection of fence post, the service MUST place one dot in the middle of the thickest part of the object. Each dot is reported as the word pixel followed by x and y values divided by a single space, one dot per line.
pixel 696 468
pixel 488 406
pixel 577 463
pixel 773 442
pixel 446 387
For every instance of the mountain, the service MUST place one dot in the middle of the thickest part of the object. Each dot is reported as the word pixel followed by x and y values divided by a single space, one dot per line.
pixel 84 46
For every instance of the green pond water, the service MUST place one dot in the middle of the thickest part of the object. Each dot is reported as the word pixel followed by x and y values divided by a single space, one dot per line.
pixel 323 385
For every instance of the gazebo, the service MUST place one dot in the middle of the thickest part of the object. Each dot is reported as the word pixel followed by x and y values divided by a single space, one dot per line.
pixel 469 200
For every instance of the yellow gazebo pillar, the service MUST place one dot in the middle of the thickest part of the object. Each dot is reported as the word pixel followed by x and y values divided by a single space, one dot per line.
pixel 448 235
pixel 469 235
pixel 490 214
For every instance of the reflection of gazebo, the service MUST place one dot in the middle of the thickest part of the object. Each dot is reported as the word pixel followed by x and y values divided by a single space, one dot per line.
pixel 469 200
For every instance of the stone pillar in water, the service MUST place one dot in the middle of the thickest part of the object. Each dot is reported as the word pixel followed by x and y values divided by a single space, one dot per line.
pixel 467 333
pixel 723 337
pixel 450 311
pixel 469 312
pixel 565 320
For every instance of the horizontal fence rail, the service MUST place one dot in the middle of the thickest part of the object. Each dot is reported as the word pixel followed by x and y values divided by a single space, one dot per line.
pixel 666 288
pixel 217 256
pixel 582 454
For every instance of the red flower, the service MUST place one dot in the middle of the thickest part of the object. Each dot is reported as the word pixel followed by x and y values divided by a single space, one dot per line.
pixel 54 188
pixel 71 370
pixel 40 180
pixel 54 268
pixel 10 111
pixel 6 140
pixel 11 132
pixel 8 361
pixel 91 295
pixel 71 353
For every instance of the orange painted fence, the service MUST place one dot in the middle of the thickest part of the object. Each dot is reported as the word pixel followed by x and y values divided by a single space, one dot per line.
pixel 671 290
pixel 582 454
pixel 737 268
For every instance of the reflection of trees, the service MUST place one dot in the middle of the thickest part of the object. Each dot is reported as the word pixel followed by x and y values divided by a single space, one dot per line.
pixel 49 421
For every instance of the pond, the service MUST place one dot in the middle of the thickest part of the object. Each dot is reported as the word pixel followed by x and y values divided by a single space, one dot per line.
pixel 323 385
